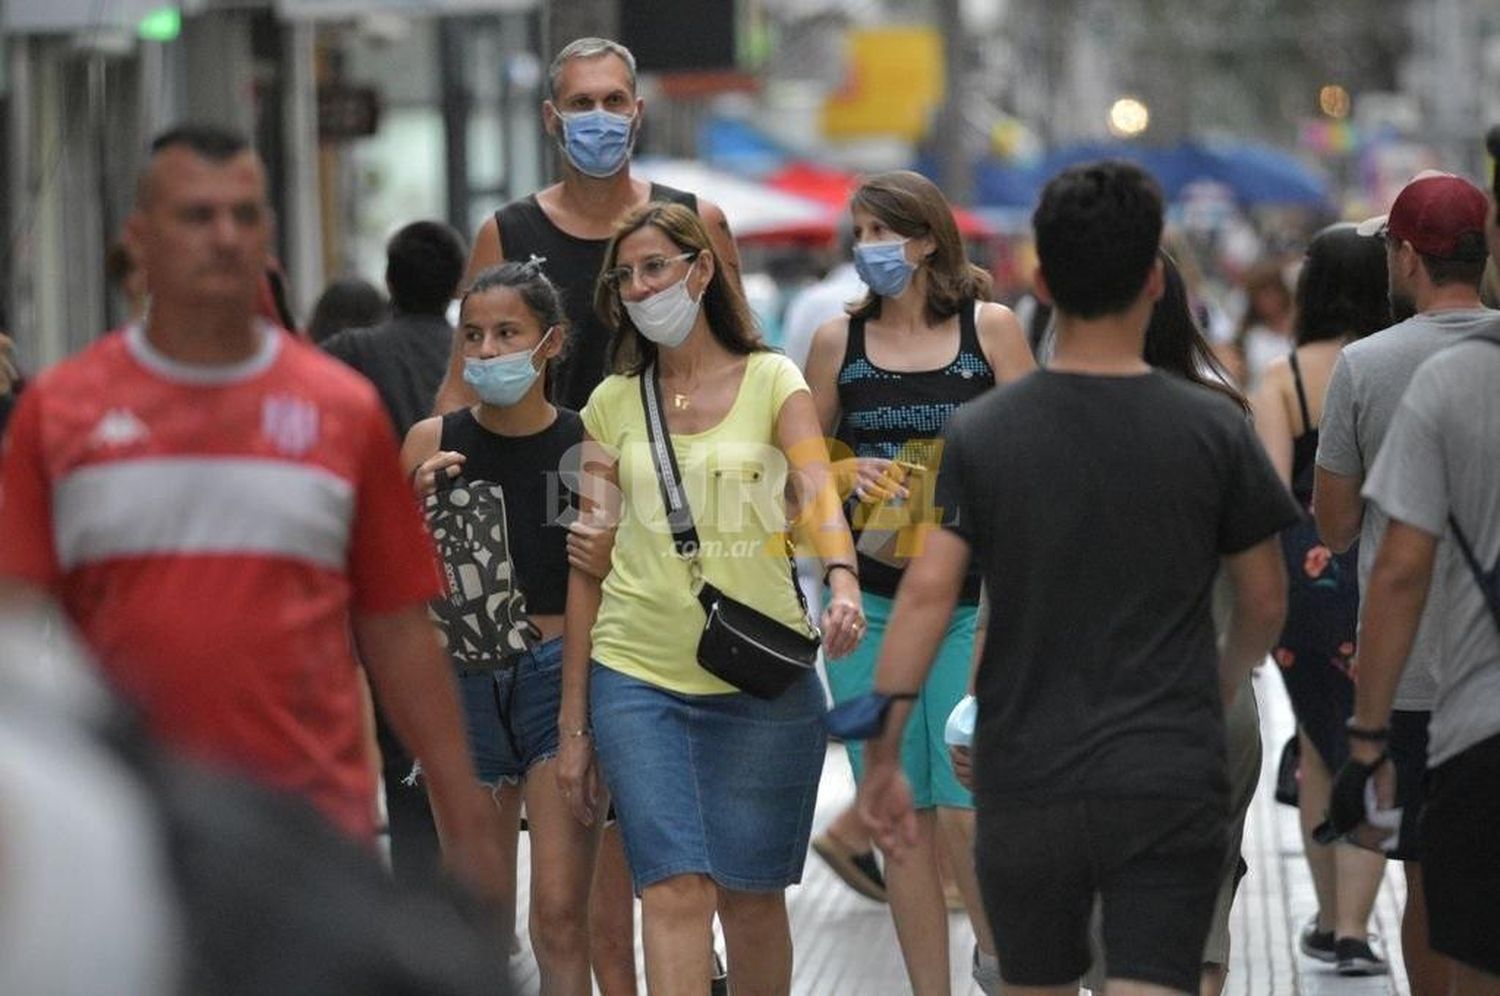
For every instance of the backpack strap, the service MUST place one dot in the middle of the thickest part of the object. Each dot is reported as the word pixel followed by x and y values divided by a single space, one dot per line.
pixel 1488 581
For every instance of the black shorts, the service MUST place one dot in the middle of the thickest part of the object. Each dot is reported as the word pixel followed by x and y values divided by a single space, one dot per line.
pixel 1461 856
pixel 1408 748
pixel 1154 863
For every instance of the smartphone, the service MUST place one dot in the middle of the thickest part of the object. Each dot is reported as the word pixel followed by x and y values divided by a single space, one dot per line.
pixel 880 539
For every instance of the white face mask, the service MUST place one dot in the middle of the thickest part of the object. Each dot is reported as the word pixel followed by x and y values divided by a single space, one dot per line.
pixel 667 316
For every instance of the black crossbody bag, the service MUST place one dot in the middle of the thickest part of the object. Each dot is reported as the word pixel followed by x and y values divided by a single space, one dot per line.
pixel 740 645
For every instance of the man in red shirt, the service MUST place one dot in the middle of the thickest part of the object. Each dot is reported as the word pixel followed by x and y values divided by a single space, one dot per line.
pixel 218 507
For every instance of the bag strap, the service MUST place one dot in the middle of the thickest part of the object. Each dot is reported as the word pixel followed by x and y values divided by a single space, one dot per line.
pixel 1488 581
pixel 1301 393
pixel 679 514
pixel 685 542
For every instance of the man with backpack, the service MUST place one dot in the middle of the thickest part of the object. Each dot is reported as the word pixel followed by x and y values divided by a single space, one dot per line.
pixel 1435 257
pixel 1438 479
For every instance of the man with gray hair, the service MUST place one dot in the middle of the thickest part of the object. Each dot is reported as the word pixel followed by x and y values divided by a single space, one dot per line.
pixel 594 116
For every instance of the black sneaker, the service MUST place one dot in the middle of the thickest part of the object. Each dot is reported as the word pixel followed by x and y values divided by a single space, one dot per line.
pixel 1357 957
pixel 1317 944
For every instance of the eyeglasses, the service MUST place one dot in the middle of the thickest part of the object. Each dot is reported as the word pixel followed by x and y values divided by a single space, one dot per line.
pixel 649 270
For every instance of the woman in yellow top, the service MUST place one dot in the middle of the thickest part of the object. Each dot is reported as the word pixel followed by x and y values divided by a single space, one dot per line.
pixel 714 788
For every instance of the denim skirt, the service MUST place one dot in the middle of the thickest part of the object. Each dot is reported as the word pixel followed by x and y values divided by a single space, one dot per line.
pixel 716 785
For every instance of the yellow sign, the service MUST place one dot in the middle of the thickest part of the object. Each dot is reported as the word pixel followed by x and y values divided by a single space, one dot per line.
pixel 892 85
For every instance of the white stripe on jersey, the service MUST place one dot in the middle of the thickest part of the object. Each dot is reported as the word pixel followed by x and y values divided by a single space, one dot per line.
pixel 203 505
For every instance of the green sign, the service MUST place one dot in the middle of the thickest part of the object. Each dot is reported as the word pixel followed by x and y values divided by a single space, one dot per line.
pixel 162 25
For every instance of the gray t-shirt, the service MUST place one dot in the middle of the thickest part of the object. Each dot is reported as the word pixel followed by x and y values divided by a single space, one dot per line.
pixel 1366 387
pixel 1442 456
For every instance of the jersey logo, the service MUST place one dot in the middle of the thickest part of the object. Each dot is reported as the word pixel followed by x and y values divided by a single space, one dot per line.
pixel 289 423
pixel 118 427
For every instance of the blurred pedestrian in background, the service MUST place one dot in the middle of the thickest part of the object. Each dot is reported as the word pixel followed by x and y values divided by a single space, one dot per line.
pixel 1265 330
pixel 406 355
pixel 405 358
pixel 346 303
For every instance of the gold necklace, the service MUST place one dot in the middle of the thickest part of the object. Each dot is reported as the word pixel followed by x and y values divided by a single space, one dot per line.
pixel 682 400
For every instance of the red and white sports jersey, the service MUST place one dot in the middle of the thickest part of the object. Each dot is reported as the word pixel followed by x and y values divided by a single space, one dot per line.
pixel 210 531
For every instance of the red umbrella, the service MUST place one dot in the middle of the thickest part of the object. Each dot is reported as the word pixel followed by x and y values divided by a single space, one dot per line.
pixel 833 187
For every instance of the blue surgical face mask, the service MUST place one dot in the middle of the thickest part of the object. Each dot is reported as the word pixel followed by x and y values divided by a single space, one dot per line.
pixel 883 266
pixel 597 142
pixel 503 380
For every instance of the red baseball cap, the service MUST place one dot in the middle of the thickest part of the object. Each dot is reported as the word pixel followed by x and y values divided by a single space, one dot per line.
pixel 1433 212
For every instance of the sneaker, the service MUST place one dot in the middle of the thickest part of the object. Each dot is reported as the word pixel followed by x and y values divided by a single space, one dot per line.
pixel 718 985
pixel 860 872
pixel 1317 944
pixel 986 972
pixel 1357 957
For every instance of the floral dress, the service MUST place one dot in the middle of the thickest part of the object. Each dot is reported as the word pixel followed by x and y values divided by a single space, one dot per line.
pixel 1316 648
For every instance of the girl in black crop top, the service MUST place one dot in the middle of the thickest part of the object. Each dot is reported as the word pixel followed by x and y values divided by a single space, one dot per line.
pixel 512 324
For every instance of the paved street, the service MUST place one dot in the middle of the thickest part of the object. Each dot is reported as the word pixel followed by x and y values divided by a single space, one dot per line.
pixel 846 946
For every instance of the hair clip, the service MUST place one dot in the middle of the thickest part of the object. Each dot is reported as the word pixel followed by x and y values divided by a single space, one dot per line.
pixel 533 265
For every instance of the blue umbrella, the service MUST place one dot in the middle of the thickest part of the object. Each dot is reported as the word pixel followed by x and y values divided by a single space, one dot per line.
pixel 1256 175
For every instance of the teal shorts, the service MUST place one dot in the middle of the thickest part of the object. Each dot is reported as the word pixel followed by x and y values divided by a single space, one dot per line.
pixel 924 755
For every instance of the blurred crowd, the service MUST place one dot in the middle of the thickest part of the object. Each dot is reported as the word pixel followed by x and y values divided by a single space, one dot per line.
pixel 593 528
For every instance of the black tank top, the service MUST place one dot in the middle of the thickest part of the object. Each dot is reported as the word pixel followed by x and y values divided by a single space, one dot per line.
pixel 528 469
pixel 899 414
pixel 1305 446
pixel 573 264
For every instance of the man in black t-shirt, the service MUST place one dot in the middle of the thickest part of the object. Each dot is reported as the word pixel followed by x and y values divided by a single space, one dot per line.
pixel 405 358
pixel 1100 499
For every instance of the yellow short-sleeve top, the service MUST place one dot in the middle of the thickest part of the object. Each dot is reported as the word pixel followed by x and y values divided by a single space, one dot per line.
pixel 735 478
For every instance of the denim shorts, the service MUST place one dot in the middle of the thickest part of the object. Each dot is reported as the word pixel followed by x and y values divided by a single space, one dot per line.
pixel 511 714
pixel 717 785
